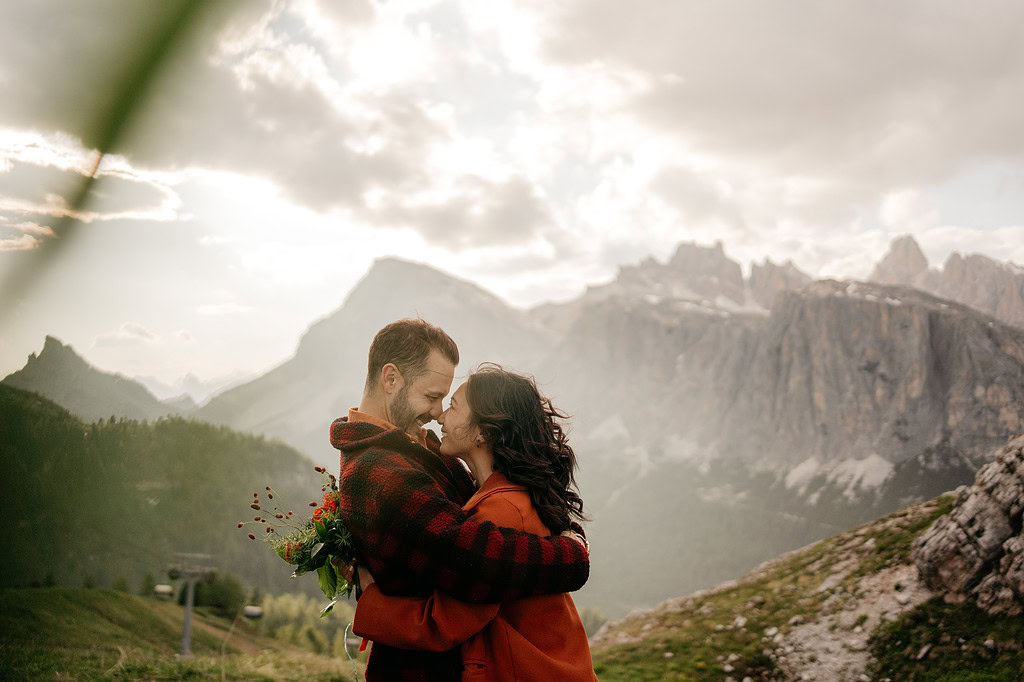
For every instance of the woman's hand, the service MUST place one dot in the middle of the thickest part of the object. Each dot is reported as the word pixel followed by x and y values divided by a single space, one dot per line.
pixel 573 535
pixel 365 578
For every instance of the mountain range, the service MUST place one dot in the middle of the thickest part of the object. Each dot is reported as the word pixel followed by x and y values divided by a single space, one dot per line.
pixel 719 419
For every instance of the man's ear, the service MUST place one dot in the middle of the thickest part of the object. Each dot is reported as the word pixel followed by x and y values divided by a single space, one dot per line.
pixel 391 379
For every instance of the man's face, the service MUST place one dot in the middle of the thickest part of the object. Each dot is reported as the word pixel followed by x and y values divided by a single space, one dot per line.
pixel 419 401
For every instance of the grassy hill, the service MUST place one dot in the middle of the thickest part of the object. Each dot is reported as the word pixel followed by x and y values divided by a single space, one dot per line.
pixel 841 608
pixel 81 634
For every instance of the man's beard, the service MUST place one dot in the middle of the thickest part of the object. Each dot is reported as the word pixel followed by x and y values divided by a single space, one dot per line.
pixel 402 414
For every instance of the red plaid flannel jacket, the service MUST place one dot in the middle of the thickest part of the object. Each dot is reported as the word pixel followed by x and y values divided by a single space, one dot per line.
pixel 402 503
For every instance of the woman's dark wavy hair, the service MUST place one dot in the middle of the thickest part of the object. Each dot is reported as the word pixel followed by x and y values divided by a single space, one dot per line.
pixel 529 446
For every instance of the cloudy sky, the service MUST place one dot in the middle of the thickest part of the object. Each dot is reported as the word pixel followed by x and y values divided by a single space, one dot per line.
pixel 532 147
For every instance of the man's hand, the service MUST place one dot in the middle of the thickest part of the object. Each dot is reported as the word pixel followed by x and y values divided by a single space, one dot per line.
pixel 573 535
pixel 349 569
pixel 365 578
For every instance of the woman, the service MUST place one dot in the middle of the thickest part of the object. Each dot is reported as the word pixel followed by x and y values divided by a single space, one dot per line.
pixel 507 433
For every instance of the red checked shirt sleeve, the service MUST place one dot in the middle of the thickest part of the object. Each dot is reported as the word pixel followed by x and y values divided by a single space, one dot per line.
pixel 414 539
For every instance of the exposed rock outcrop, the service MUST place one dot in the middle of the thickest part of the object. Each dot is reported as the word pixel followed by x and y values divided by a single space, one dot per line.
pixel 977 551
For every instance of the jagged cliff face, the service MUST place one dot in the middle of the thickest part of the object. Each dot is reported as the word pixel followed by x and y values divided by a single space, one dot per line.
pixel 838 371
pixel 61 375
pixel 847 370
pixel 977 281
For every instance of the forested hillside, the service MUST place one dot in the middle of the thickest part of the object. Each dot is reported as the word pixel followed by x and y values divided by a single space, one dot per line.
pixel 117 499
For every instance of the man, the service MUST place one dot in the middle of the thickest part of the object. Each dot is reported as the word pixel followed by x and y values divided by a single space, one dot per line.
pixel 401 499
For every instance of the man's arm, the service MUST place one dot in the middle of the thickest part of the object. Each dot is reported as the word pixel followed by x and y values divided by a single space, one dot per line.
pixel 411 535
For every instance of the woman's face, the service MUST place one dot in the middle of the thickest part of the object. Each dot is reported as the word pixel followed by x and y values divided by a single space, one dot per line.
pixel 458 431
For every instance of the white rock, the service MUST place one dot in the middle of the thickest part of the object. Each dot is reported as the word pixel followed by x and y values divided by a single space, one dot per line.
pixel 728 668
pixel 771 632
pixel 669 654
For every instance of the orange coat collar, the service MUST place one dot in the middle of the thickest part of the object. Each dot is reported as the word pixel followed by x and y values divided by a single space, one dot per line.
pixel 495 483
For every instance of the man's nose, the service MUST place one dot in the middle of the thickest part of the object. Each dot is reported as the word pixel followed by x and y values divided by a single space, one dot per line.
pixel 436 412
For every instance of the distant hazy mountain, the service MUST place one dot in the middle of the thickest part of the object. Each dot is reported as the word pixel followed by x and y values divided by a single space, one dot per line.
pixel 64 377
pixel 978 281
pixel 197 390
pixel 297 400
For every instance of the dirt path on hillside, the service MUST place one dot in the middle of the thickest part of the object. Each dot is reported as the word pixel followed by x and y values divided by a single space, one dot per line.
pixel 835 646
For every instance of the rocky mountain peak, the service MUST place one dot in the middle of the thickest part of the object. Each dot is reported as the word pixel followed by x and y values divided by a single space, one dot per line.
pixel 975 280
pixel 708 272
pixel 61 375
pixel 767 280
pixel 903 263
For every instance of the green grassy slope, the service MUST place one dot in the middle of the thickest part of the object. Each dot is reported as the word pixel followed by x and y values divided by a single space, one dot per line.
pixel 80 634
pixel 721 632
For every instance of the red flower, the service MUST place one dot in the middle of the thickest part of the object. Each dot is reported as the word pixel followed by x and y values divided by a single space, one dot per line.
pixel 251 536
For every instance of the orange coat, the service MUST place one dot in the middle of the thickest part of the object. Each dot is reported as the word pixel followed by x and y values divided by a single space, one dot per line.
pixel 534 638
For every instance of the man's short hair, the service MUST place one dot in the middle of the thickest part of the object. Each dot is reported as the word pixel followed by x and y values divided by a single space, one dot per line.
pixel 407 345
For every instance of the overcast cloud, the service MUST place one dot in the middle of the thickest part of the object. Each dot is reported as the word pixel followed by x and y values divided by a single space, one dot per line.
pixel 532 147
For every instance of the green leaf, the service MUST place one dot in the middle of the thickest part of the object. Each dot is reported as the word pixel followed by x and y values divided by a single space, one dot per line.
pixel 321 530
pixel 327 609
pixel 328 580
pixel 316 549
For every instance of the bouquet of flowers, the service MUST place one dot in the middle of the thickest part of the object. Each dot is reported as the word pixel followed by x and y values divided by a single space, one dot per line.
pixel 321 544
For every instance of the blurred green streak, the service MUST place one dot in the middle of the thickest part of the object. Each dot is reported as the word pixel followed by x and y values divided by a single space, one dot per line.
pixel 152 51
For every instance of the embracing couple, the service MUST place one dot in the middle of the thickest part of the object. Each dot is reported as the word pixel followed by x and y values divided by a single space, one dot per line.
pixel 463 574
